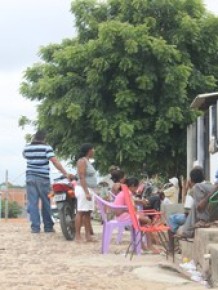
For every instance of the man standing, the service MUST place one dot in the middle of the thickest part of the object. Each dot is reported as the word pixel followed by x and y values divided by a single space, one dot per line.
pixel 38 154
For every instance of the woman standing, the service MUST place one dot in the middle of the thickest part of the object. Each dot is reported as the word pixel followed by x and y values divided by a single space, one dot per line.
pixel 84 191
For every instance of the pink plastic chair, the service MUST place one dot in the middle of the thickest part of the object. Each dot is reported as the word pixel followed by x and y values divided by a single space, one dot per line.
pixel 110 225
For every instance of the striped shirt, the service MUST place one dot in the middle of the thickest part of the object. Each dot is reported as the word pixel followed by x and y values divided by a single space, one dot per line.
pixel 37 156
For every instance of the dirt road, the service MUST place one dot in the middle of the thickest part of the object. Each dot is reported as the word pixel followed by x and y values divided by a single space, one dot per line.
pixel 49 262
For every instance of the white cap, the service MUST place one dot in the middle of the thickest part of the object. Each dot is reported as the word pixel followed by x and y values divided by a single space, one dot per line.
pixel 174 181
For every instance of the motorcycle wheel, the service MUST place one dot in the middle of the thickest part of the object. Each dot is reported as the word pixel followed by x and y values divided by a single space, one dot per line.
pixel 67 221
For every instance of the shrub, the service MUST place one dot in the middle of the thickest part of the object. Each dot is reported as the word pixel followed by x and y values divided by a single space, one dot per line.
pixel 14 209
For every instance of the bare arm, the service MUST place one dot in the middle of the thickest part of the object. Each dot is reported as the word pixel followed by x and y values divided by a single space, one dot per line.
pixel 59 167
pixel 143 202
pixel 116 188
pixel 204 202
pixel 81 170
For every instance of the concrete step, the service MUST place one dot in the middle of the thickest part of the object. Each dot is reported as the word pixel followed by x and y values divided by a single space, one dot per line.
pixel 204 251
pixel 213 249
pixel 203 237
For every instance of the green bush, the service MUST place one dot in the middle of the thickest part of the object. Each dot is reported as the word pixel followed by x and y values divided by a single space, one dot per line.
pixel 14 209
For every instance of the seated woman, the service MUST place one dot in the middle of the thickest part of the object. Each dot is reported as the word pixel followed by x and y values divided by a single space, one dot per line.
pixel 122 215
pixel 118 177
pixel 151 202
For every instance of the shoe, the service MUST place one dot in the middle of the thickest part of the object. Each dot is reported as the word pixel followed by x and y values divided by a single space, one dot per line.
pixel 35 231
pixel 49 231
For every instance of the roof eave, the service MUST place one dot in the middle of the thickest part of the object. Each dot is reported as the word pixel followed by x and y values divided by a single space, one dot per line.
pixel 203 101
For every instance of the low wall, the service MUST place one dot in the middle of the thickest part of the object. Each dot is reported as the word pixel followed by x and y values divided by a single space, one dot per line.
pixel 204 251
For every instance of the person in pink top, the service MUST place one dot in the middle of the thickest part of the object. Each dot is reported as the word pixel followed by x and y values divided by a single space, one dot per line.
pixel 122 215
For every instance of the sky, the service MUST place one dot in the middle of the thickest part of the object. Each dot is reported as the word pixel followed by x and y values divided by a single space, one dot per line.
pixel 26 25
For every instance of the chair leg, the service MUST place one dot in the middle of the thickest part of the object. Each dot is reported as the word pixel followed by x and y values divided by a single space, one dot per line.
pixel 171 244
pixel 106 238
pixel 138 243
pixel 120 234
pixel 134 244
pixel 128 248
pixel 164 242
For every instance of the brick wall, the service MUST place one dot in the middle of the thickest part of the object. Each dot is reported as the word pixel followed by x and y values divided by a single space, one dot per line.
pixel 16 194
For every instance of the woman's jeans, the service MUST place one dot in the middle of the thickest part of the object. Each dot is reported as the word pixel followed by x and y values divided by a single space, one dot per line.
pixel 38 188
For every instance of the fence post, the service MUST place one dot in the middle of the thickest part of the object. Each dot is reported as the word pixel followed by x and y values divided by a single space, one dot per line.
pixel 6 195
pixel 0 205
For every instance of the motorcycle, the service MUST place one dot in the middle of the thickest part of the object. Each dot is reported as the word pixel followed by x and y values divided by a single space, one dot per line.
pixel 64 197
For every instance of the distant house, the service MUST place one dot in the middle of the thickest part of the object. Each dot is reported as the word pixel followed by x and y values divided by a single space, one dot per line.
pixel 200 134
pixel 17 194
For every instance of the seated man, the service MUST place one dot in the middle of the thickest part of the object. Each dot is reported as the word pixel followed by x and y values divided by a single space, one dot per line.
pixel 178 219
pixel 200 189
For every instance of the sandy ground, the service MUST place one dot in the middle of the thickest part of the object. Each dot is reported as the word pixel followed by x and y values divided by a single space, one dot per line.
pixel 47 261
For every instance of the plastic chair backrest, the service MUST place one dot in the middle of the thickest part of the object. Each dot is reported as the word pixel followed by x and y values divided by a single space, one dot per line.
pixel 111 195
pixel 103 205
pixel 135 222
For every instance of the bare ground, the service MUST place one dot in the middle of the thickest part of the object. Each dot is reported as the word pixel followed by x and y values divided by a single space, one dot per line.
pixel 47 261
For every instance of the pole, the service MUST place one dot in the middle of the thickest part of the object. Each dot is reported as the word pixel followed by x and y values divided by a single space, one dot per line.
pixel 0 206
pixel 6 195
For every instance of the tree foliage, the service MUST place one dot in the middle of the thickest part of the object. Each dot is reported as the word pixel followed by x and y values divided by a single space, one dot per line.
pixel 126 81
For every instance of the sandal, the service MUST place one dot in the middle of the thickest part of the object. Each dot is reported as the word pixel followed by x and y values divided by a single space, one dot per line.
pixel 202 224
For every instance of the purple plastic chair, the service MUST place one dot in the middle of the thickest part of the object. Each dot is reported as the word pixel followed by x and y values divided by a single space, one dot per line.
pixel 110 225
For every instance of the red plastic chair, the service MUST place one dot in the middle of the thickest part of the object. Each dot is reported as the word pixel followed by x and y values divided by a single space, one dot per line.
pixel 110 225
pixel 141 230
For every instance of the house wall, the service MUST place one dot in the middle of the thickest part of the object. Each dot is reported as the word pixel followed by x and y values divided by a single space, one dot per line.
pixel 198 136
pixel 213 166
pixel 191 148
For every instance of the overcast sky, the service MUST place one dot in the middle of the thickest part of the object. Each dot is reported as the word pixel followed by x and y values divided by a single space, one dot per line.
pixel 25 26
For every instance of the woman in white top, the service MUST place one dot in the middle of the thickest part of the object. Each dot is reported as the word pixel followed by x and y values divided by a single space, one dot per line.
pixel 84 191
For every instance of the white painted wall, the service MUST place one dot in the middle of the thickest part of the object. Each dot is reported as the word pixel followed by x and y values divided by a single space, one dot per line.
pixel 213 166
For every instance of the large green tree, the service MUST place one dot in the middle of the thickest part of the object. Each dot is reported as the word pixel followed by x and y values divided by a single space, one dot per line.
pixel 126 81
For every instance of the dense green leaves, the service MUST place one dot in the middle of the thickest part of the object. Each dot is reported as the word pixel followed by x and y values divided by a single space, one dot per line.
pixel 126 81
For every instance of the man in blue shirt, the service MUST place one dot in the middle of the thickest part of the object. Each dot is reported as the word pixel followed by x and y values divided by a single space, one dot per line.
pixel 38 154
